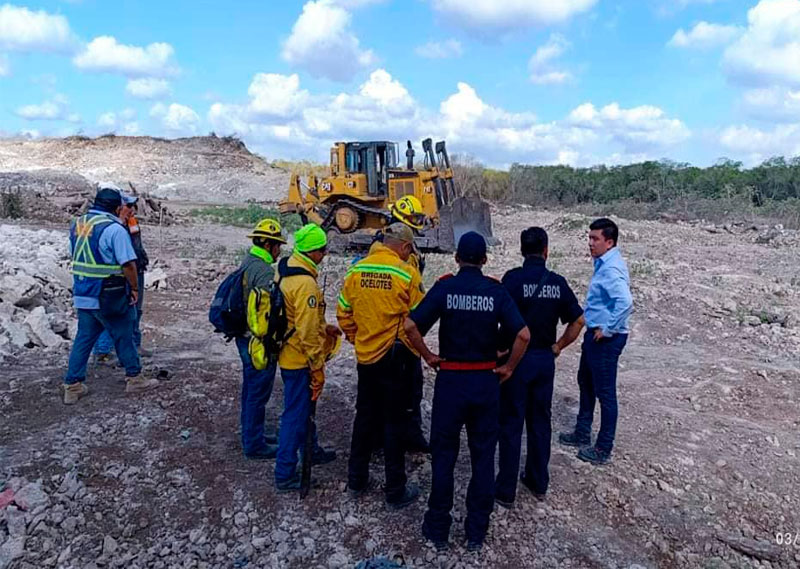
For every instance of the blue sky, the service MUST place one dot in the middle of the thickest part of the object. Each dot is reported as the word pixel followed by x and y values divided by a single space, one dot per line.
pixel 575 81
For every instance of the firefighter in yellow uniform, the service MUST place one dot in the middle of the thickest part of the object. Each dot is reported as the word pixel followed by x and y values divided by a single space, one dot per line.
pixel 379 292
pixel 303 354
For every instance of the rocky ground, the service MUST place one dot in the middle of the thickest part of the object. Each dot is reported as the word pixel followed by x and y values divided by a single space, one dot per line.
pixel 705 472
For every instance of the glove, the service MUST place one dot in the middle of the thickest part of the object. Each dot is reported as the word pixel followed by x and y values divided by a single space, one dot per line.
pixel 317 383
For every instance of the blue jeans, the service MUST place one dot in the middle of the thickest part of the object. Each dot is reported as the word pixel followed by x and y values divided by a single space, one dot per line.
pixel 597 380
pixel 459 399
pixel 105 343
pixel 292 435
pixel 256 391
pixel 526 397
pixel 91 324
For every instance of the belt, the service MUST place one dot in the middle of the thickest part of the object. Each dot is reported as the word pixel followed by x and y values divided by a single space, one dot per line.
pixel 467 366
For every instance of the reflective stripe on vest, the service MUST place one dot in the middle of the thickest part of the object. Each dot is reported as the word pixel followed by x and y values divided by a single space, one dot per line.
pixel 83 262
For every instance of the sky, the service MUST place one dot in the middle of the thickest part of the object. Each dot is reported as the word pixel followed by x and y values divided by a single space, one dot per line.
pixel 578 82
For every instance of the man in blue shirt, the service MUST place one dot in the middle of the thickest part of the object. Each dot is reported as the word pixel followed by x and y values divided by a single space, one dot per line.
pixel 608 307
pixel 471 308
pixel 105 289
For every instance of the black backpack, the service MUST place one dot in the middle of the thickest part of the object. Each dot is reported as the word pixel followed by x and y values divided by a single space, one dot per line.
pixel 228 313
pixel 278 324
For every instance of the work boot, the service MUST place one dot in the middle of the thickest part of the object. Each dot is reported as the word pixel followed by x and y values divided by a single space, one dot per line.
pixel 356 493
pixel 573 440
pixel 322 456
pixel 266 453
pixel 409 496
pixel 289 485
pixel 74 391
pixel 507 504
pixel 594 455
pixel 138 384
pixel 525 482
pixel 440 544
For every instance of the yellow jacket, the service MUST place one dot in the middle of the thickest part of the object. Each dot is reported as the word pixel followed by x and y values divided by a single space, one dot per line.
pixel 379 291
pixel 305 312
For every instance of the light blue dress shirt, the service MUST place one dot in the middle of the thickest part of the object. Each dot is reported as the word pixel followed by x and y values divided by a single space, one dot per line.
pixel 116 248
pixel 608 301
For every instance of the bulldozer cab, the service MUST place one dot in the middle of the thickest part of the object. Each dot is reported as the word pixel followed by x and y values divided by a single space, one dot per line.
pixel 374 160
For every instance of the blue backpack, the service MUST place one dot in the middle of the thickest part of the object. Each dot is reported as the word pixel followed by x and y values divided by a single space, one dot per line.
pixel 228 312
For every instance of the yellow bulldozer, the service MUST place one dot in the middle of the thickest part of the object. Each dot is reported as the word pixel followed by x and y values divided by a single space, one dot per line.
pixel 352 202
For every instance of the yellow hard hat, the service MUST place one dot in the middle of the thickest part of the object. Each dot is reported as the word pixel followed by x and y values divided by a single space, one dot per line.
pixel 268 229
pixel 408 209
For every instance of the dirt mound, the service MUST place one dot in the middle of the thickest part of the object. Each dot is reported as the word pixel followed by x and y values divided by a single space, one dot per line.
pixel 203 169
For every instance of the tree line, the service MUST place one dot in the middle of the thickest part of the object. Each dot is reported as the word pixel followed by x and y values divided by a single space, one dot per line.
pixel 777 179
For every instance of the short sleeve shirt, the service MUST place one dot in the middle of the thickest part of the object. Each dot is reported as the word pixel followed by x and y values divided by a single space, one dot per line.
pixel 471 308
pixel 542 301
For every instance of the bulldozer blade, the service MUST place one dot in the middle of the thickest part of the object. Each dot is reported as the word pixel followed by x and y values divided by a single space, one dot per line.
pixel 463 215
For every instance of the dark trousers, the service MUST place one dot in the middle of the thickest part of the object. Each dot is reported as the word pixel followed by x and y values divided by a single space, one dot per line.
pixel 382 404
pixel 415 433
pixel 526 397
pixel 459 399
pixel 597 380
pixel 256 391
pixel 92 323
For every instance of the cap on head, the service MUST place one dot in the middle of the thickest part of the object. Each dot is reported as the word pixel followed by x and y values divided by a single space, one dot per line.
pixel 471 248
pixel 310 237
pixel 108 199
pixel 400 232
pixel 128 199
pixel 268 229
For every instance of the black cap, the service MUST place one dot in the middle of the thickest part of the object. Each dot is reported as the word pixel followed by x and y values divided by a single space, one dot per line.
pixel 107 199
pixel 471 247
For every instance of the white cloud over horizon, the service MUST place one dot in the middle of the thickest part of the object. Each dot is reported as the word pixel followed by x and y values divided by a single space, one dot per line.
pixel 176 119
pixel 704 35
pixel 53 109
pixel 322 42
pixel 105 55
pixel 25 30
pixel 148 88
pixel 383 107
pixel 768 52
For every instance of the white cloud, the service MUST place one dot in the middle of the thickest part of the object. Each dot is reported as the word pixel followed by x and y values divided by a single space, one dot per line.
pixel 638 128
pixel 52 110
pixel 5 66
pixel 107 120
pixel 768 53
pixel 440 49
pixel 131 128
pixel 148 88
pixel 175 118
pixel 382 107
pixel 24 30
pixel 541 65
pixel 105 55
pixel 274 95
pixel 510 14
pixel 323 43
pixel 704 36
pixel 758 145
pixel 774 104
